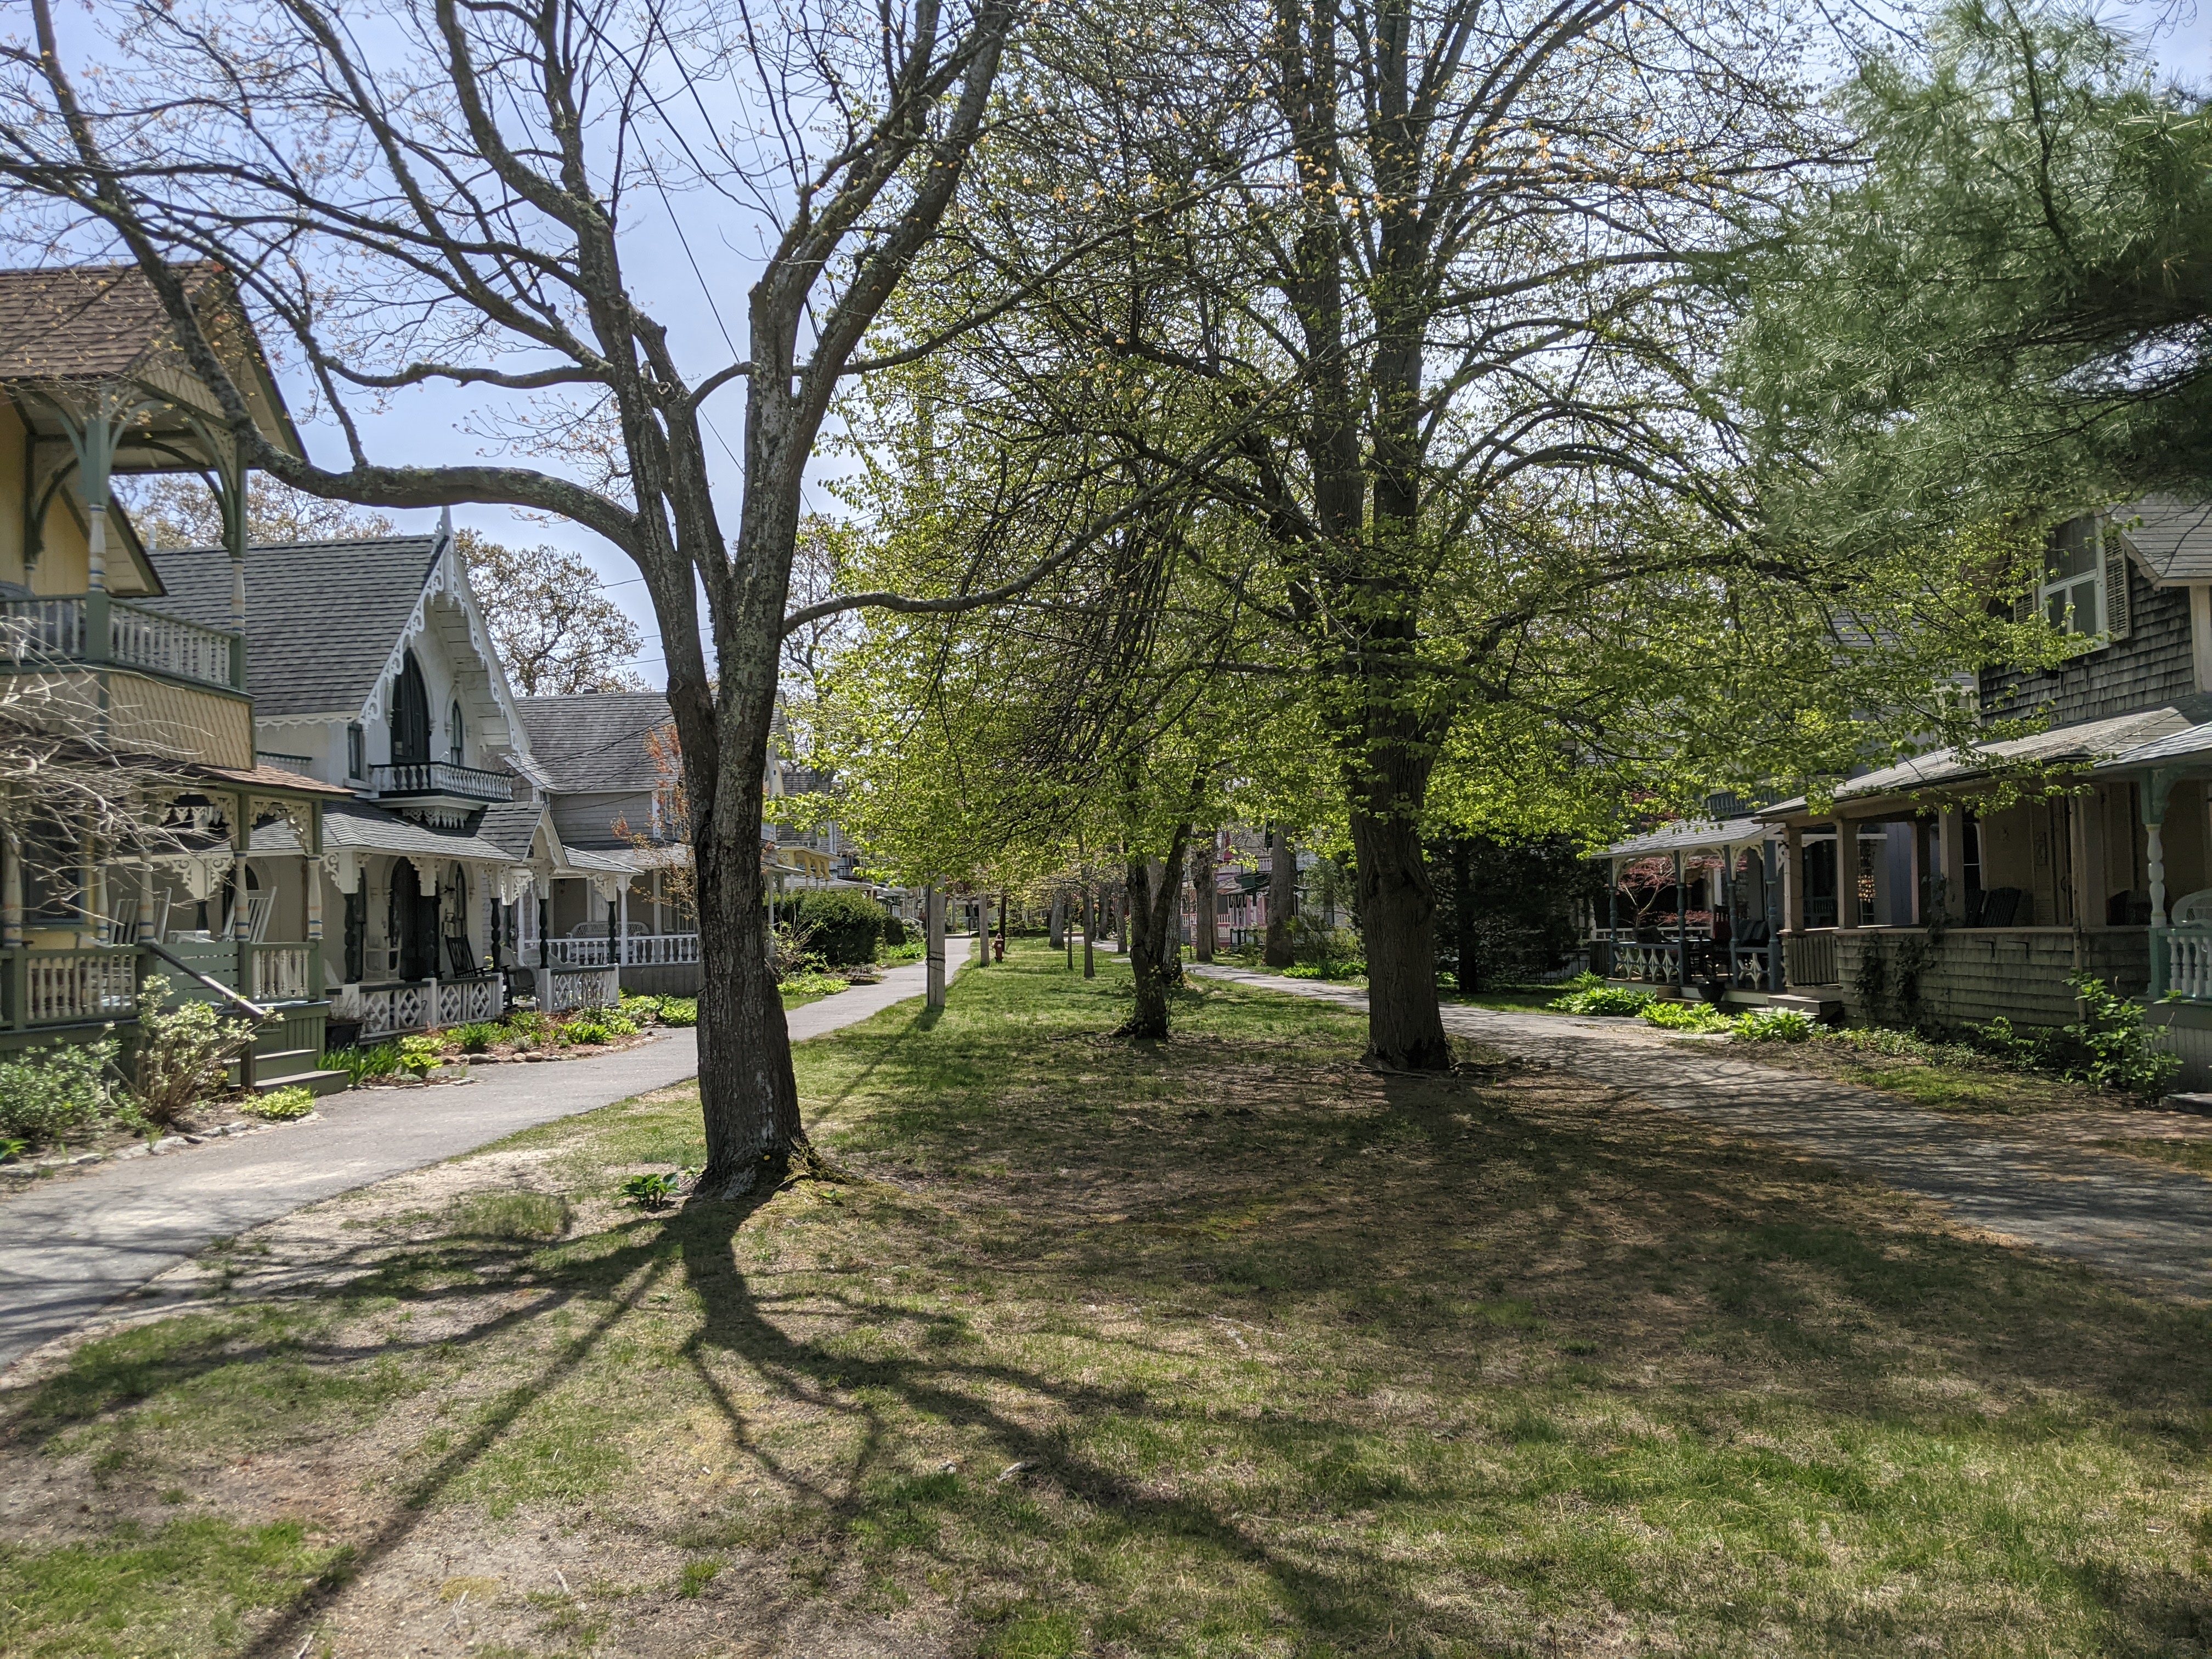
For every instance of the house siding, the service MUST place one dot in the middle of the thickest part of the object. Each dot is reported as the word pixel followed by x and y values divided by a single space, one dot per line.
pixel 1977 975
pixel 2152 666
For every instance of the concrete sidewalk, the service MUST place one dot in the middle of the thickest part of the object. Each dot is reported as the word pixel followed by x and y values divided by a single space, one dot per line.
pixel 70 1246
pixel 2124 1214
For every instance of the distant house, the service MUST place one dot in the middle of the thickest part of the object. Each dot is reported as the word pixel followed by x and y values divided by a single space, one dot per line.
pixel 372 669
pixel 1924 894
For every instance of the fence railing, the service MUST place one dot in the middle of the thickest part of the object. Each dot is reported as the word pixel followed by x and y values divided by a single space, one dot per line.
pixel 2189 963
pixel 638 951
pixel 66 986
pixel 38 632
pixel 280 973
pixel 569 989
pixel 461 1001
pixel 167 645
pixel 1650 964
pixel 1811 959
pixel 440 778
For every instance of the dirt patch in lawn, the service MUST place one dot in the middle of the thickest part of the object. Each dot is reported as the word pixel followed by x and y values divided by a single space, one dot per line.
pixel 1220 1346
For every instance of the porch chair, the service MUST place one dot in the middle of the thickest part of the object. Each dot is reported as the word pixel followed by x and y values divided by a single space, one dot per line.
pixel 2192 909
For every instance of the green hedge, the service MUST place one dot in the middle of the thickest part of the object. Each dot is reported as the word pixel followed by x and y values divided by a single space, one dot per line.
pixel 843 925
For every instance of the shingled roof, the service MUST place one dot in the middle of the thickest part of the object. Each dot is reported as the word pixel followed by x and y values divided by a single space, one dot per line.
pixel 321 617
pixel 594 743
pixel 2173 537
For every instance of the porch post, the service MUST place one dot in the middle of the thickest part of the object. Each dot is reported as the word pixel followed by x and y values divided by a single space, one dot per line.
pixel 1847 872
pixel 1681 929
pixel 2155 789
pixel 311 871
pixel 241 841
pixel 143 929
pixel 1773 887
pixel 932 906
pixel 622 956
pixel 541 890
pixel 1727 910
pixel 11 894
pixel 1613 918
pixel 1792 877
pixel 1951 860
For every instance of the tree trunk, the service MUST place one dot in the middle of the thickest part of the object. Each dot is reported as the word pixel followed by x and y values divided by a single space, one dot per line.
pixel 1002 927
pixel 1282 900
pixel 1149 917
pixel 1397 910
pixel 1089 932
pixel 747 1094
pixel 1059 923
pixel 1470 975
pixel 1204 932
pixel 1169 938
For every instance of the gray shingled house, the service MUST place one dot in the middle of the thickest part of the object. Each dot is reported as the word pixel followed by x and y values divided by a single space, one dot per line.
pixel 370 668
pixel 1929 894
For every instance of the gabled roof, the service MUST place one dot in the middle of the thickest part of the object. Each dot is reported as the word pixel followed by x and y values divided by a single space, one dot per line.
pixel 594 743
pixel 2171 536
pixel 1693 835
pixel 321 617
pixel 511 826
pixel 83 322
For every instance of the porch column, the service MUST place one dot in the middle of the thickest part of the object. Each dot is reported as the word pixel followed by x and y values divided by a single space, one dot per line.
pixel 1613 918
pixel 933 903
pixel 1951 860
pixel 241 841
pixel 2155 789
pixel 622 954
pixel 11 895
pixel 1793 878
pixel 1726 910
pixel 1771 885
pixel 1681 929
pixel 1847 872
pixel 311 871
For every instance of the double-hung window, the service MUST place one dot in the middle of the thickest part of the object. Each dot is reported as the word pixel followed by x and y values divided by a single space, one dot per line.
pixel 2084 591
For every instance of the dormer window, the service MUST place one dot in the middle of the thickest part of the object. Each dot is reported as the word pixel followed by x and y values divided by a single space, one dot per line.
pixel 2084 592
pixel 356 753
pixel 453 733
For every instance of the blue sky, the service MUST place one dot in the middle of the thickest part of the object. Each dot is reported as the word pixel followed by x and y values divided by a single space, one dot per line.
pixel 688 276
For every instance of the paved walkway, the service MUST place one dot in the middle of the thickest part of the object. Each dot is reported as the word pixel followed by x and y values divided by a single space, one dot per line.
pixel 71 1245
pixel 2125 1215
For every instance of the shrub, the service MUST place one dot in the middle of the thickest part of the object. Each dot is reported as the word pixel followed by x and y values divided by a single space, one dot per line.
pixel 912 951
pixel 476 1037
pixel 677 1011
pixel 894 932
pixel 46 1093
pixel 650 1192
pixel 1683 1017
pixel 844 926
pixel 421 1053
pixel 185 1052
pixel 359 1064
pixel 1328 968
pixel 618 1024
pixel 1774 1025
pixel 2110 1048
pixel 584 1030
pixel 813 985
pixel 281 1105
pixel 1602 999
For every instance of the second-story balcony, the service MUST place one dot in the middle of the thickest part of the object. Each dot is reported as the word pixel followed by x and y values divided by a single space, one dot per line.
pixel 80 627
pixel 440 783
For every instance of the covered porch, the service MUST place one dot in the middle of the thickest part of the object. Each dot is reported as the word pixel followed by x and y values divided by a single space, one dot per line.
pixel 1693 905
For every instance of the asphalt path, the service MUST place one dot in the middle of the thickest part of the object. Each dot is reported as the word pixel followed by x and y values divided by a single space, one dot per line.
pixel 71 1246
pixel 2125 1215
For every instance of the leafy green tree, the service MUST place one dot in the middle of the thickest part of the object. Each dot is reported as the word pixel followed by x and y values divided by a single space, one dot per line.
pixel 2005 310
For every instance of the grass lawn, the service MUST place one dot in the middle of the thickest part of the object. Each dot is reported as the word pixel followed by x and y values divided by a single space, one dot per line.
pixel 1220 1346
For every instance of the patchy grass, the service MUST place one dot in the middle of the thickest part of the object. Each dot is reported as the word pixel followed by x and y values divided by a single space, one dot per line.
pixel 1222 1345
pixel 1943 1076
pixel 2192 1155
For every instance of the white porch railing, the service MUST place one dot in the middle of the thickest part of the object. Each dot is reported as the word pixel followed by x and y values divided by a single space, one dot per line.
pixel 41 631
pixel 63 986
pixel 2189 962
pixel 1651 965
pixel 638 951
pixel 569 989
pixel 167 645
pixel 462 1001
pixel 280 973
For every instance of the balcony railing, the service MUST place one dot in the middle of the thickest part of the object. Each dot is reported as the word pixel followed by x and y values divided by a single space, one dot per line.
pixel 300 764
pixel 40 633
pixel 410 778
pixel 638 951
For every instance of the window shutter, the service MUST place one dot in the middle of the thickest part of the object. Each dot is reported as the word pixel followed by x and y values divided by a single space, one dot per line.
pixel 2023 608
pixel 2116 617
